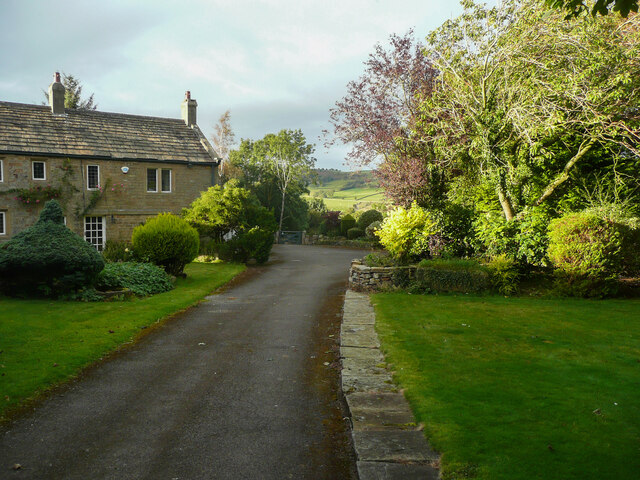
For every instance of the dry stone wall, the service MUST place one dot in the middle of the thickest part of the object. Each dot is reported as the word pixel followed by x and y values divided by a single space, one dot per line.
pixel 364 278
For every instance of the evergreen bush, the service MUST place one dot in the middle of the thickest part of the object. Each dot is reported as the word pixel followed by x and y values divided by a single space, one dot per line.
pixel 346 223
pixel 48 258
pixel 587 253
pixel 141 278
pixel 451 275
pixel 168 241
pixel 354 233
pixel 368 217
pixel 370 231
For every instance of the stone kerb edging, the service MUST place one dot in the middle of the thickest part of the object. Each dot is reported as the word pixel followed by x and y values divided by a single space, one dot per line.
pixel 363 278
pixel 387 440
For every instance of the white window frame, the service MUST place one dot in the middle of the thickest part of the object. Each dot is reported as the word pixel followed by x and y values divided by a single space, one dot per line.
pixel 89 239
pixel 1 170
pixel 170 179
pixel 98 185
pixel 44 170
pixel 147 180
pixel 3 223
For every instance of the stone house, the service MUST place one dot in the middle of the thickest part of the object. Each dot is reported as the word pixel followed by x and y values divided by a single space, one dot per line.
pixel 110 171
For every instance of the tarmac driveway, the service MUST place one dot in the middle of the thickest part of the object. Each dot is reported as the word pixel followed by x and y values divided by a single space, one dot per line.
pixel 244 386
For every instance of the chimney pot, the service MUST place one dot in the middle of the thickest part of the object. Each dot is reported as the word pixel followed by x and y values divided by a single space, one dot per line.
pixel 56 95
pixel 189 108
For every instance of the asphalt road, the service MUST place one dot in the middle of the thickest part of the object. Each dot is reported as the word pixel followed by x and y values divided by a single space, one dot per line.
pixel 244 386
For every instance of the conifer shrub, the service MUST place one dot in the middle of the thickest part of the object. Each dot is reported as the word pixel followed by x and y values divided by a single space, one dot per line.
pixel 168 241
pixel 141 278
pixel 346 223
pixel 504 274
pixel 368 217
pixel 587 253
pixel 354 233
pixel 48 258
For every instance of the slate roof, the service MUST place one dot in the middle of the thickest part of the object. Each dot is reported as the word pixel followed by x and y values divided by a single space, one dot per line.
pixel 33 129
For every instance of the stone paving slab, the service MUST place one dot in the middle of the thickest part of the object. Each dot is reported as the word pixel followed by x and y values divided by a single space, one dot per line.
pixel 396 471
pixel 372 383
pixel 352 367
pixel 385 435
pixel 382 420
pixel 359 354
pixel 392 446
pixel 394 402
pixel 359 336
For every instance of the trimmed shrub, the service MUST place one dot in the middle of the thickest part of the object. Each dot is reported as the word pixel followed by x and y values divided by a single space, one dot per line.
pixel 168 241
pixel 141 278
pixel 354 233
pixel 452 275
pixel 368 217
pixel 48 258
pixel 379 260
pixel 346 223
pixel 587 253
pixel 405 233
pixel 255 243
pixel 115 251
pixel 371 230
pixel 504 274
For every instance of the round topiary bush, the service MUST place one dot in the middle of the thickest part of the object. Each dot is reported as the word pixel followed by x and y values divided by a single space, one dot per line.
pixel 48 258
pixel 370 231
pixel 368 217
pixel 587 253
pixel 168 241
pixel 354 233
pixel 346 223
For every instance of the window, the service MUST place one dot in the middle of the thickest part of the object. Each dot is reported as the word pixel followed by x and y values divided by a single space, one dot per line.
pixel 38 170
pixel 3 226
pixel 166 180
pixel 152 179
pixel 93 177
pixel 94 231
pixel 1 171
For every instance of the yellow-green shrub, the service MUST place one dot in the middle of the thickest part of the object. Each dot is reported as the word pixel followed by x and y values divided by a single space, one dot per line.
pixel 405 232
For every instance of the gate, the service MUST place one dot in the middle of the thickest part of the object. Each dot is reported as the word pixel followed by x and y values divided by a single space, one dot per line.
pixel 292 237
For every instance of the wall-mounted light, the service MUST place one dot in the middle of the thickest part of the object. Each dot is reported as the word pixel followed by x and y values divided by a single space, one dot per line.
pixel 124 169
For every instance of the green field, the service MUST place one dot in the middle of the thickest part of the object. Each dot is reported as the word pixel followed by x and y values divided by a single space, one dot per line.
pixel 337 196
pixel 47 342
pixel 519 388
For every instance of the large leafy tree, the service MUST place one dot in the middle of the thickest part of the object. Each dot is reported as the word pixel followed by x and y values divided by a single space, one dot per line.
pixel 277 169
pixel 73 94
pixel 574 8
pixel 377 119
pixel 523 97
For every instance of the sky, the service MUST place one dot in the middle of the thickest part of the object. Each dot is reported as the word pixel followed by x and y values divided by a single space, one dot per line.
pixel 275 64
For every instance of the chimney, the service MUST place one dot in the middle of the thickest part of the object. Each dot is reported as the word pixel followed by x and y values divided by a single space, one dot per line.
pixel 56 95
pixel 189 109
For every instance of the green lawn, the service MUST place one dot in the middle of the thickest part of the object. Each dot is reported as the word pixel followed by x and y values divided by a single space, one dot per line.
pixel 45 342
pixel 520 388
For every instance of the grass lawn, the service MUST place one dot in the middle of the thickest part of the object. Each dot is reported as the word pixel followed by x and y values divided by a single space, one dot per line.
pixel 45 342
pixel 520 388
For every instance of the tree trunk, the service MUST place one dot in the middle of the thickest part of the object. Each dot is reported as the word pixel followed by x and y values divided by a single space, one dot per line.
pixel 507 208
pixel 284 191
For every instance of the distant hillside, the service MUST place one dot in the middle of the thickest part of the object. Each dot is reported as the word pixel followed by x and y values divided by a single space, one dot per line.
pixel 346 191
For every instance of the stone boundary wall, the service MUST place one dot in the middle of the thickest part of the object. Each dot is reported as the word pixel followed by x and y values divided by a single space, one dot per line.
pixel 364 278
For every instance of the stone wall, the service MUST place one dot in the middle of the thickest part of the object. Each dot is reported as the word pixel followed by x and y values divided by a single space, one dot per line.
pixel 123 205
pixel 364 278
